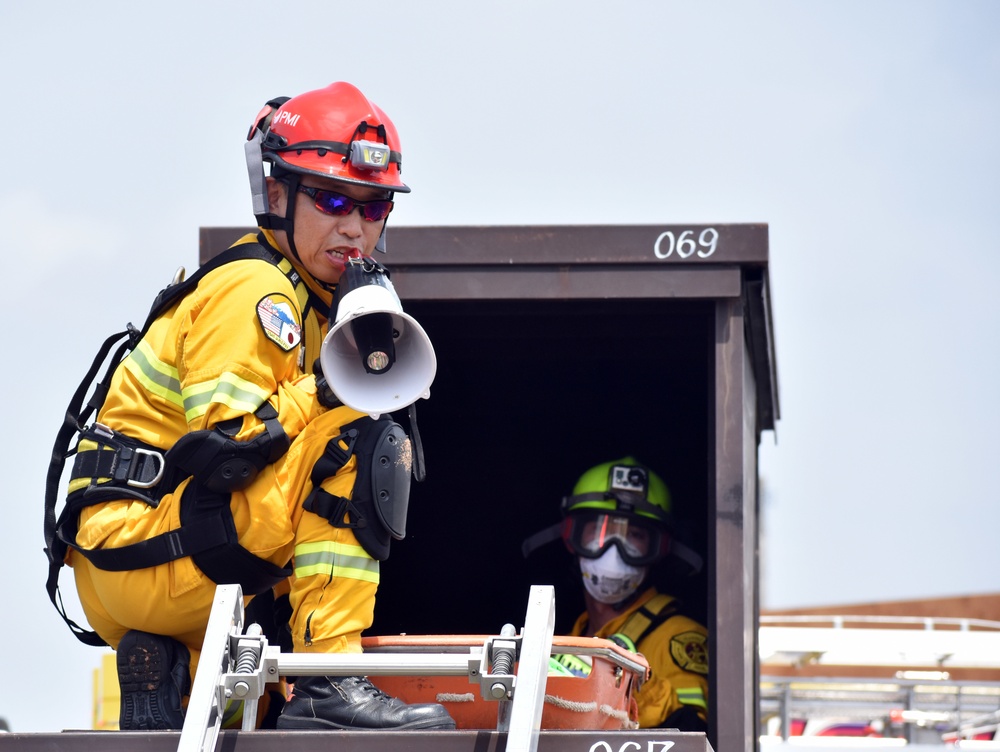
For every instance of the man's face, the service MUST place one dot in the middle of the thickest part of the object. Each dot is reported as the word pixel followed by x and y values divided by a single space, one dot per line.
pixel 324 242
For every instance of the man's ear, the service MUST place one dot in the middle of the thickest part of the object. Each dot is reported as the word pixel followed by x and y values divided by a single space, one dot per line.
pixel 277 195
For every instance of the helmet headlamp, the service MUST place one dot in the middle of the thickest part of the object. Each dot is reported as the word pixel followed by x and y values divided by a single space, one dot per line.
pixel 370 155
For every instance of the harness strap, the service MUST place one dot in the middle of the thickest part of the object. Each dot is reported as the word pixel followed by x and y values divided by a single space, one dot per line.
pixel 207 534
pixel 326 505
pixel 106 460
pixel 160 549
pixel 76 416
pixel 225 560
pixel 135 467
pixel 334 456
pixel 645 619
pixel 333 509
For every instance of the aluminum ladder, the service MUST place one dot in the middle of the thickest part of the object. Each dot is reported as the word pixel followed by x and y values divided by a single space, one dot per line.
pixel 237 662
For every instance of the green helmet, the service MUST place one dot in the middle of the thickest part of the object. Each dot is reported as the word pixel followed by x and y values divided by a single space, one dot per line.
pixel 621 503
pixel 624 486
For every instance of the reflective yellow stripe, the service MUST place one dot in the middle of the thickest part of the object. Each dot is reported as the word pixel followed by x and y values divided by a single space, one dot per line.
pixel 156 376
pixel 692 696
pixel 229 389
pixel 335 560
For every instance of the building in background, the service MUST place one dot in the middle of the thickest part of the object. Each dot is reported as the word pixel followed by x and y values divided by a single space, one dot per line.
pixel 920 670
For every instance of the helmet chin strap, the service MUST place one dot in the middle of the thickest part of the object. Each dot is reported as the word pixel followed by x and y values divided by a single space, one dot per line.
pixel 255 169
pixel 288 223
pixel 258 187
pixel 270 221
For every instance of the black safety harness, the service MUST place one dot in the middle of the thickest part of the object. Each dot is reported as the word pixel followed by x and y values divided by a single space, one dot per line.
pixel 111 466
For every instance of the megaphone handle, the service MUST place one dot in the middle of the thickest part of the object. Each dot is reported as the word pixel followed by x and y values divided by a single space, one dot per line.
pixel 419 469
pixel 324 393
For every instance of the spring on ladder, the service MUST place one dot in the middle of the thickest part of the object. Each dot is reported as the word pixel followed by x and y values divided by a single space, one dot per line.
pixel 503 658
pixel 248 652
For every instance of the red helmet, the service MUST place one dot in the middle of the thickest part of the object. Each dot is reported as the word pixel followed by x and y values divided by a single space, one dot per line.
pixel 335 133
pixel 338 133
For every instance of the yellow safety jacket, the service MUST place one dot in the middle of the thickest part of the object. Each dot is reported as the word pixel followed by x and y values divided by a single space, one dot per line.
pixel 236 350
pixel 218 354
pixel 208 359
pixel 676 649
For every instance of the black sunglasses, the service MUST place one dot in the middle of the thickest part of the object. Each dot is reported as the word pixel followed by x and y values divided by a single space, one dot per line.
pixel 339 205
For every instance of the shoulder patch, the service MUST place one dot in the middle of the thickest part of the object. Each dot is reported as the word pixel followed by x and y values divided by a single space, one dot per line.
pixel 690 651
pixel 278 317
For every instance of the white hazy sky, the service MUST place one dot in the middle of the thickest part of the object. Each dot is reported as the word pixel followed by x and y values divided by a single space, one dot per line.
pixel 864 133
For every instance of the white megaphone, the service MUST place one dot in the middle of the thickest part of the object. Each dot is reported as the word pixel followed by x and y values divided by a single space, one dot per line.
pixel 375 358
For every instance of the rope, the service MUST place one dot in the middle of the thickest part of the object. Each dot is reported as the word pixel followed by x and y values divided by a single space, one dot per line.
pixel 621 716
pixel 454 697
pixel 576 707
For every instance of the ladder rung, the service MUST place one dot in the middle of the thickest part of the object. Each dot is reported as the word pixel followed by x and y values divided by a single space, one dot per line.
pixel 369 664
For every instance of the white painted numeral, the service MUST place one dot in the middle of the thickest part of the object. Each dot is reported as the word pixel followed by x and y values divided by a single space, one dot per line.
pixel 703 240
pixel 685 244
pixel 653 745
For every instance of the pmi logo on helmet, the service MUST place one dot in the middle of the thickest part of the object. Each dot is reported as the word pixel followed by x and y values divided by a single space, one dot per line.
pixel 286 118
pixel 370 155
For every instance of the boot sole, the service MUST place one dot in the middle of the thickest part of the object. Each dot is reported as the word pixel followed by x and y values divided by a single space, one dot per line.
pixel 317 724
pixel 149 697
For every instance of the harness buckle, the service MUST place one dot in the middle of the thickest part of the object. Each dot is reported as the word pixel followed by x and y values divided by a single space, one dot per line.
pixel 161 466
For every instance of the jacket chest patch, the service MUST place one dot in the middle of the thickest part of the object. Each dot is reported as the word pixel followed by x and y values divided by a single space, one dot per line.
pixel 690 652
pixel 279 320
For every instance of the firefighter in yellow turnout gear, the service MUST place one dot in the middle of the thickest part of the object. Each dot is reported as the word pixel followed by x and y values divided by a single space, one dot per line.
pixel 617 522
pixel 218 456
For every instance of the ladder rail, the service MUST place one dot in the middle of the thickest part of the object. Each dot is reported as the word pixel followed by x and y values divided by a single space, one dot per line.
pixel 532 670
pixel 203 719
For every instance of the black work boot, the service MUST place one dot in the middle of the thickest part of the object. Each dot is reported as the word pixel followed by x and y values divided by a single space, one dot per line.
pixel 154 676
pixel 353 702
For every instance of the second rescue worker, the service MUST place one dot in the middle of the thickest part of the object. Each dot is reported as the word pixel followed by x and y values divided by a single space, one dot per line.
pixel 618 524
pixel 221 384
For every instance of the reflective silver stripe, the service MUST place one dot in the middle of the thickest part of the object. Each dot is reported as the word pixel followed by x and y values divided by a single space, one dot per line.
pixel 335 560
pixel 228 389
pixel 155 376
pixel 692 696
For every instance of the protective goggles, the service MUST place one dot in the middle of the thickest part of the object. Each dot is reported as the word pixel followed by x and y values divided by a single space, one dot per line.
pixel 639 543
pixel 338 205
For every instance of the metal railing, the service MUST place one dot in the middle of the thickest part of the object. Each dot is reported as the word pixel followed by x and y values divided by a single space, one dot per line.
pixel 839 621
pixel 954 708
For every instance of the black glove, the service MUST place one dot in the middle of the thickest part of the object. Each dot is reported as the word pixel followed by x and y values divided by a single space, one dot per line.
pixel 323 391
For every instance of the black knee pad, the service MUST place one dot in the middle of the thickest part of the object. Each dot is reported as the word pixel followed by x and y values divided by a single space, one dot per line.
pixel 379 502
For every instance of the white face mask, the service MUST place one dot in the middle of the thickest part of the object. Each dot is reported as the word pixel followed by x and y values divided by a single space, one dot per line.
pixel 608 578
